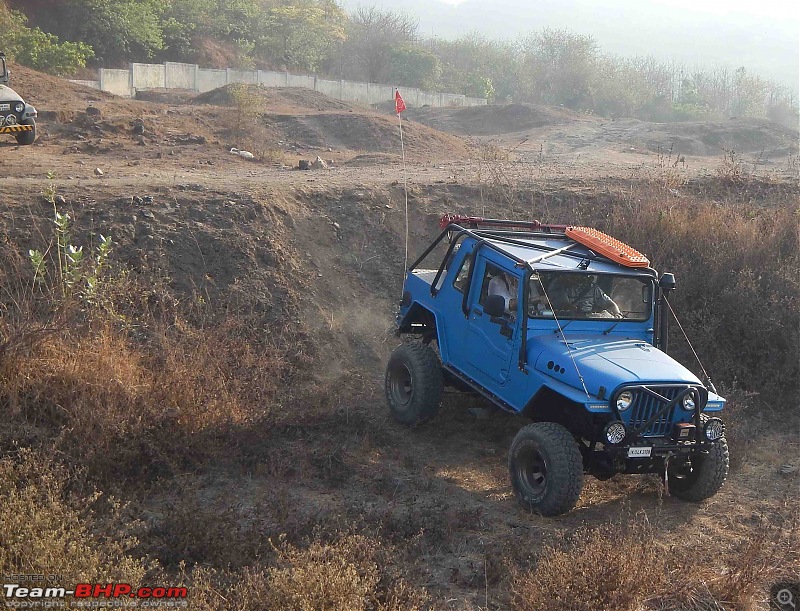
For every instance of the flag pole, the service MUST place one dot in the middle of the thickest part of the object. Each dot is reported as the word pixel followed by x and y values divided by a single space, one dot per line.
pixel 400 107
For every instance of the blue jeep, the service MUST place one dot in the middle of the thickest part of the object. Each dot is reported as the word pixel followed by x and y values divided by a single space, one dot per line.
pixel 568 327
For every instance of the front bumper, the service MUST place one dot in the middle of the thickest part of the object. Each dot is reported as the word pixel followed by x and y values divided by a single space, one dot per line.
pixel 15 129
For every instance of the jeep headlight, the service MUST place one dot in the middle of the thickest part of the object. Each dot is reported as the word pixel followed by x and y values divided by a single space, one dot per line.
pixel 19 107
pixel 714 429
pixel 624 400
pixel 688 402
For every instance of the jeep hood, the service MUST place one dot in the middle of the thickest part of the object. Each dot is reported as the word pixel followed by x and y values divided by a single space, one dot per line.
pixel 604 361
pixel 9 95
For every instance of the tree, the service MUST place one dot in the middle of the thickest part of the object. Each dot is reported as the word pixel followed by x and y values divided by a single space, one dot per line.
pixel 40 50
pixel 301 35
pixel 559 67
pixel 119 31
pixel 372 35
pixel 414 66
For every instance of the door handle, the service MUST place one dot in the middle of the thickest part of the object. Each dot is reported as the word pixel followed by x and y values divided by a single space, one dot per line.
pixel 477 312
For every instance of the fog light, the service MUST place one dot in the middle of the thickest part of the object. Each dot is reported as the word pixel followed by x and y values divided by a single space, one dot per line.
pixel 615 432
pixel 19 107
pixel 714 429
pixel 11 120
pixel 688 402
pixel 624 400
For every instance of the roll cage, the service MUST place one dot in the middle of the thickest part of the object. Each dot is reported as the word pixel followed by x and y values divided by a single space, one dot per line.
pixel 513 233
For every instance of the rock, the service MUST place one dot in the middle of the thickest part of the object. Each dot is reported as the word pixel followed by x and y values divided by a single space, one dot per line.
pixel 147 214
pixel 136 199
pixel 480 413
pixel 242 154
pixel 138 127
pixel 304 164
pixel 788 469
pixel 319 164
pixel 93 111
pixel 60 200
pixel 147 199
pixel 98 172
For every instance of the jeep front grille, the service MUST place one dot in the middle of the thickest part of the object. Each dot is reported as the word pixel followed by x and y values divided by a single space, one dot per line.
pixel 646 405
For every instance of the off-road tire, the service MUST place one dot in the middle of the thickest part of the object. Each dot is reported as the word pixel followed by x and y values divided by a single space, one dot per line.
pixel 414 383
pixel 27 138
pixel 546 468
pixel 709 472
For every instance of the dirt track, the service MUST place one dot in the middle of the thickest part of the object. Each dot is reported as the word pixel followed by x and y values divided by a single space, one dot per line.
pixel 221 225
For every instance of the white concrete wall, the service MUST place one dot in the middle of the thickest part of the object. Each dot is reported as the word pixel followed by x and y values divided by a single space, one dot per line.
pixel 243 76
pixel 300 80
pixel 211 79
pixel 117 82
pixel 149 76
pixel 92 84
pixel 174 75
pixel 332 89
pixel 180 76
pixel 272 79
pixel 355 92
pixel 380 93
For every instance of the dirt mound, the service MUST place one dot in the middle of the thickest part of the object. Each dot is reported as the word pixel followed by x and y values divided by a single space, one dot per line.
pixel 746 135
pixel 488 120
pixel 281 99
pixel 364 131
pixel 47 92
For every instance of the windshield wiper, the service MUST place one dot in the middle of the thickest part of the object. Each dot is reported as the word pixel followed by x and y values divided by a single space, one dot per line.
pixel 561 328
pixel 619 320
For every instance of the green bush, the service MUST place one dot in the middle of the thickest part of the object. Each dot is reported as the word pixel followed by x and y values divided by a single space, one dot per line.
pixel 39 50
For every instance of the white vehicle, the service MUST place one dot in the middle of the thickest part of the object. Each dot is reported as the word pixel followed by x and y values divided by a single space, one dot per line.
pixel 16 117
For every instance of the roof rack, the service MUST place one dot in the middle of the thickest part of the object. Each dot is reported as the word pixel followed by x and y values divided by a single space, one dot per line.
pixel 475 222
pixel 596 241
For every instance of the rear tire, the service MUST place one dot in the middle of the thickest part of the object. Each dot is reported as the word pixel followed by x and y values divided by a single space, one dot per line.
pixel 413 383
pixel 27 138
pixel 546 468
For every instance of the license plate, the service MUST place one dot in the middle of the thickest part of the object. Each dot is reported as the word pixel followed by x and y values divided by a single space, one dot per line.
pixel 639 452
pixel 5 106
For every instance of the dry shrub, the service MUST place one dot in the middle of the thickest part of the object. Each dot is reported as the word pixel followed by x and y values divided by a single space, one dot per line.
pixel 43 532
pixel 339 576
pixel 739 285
pixel 740 576
pixel 609 567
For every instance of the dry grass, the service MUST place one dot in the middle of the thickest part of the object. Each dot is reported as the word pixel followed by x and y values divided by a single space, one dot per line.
pixel 260 480
pixel 610 567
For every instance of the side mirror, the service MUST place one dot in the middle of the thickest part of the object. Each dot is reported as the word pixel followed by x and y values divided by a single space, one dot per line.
pixel 667 282
pixel 495 306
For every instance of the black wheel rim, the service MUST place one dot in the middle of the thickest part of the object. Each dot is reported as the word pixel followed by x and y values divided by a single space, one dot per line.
pixel 531 472
pixel 401 384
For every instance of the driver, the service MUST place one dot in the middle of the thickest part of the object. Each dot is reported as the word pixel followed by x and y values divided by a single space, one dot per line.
pixel 580 293
pixel 505 285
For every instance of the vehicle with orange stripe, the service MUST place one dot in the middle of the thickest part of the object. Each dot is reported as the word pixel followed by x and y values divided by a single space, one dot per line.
pixel 567 326
pixel 16 117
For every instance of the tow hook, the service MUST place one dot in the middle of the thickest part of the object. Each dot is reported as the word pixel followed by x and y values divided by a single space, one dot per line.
pixel 666 473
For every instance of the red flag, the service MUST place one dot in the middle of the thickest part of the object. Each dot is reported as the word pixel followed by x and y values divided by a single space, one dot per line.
pixel 399 104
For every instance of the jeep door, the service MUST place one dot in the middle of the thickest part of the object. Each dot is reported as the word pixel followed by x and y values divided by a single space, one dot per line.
pixel 492 342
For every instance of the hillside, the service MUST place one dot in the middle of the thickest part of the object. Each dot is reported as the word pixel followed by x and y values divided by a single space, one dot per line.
pixel 212 414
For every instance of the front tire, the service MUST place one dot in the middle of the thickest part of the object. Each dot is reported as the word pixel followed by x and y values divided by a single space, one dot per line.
pixel 27 138
pixel 546 468
pixel 413 383
pixel 704 477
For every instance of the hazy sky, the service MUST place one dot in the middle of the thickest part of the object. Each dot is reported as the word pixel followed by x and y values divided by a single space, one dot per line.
pixel 761 35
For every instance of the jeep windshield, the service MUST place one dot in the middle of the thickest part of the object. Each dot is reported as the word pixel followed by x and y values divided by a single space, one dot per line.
pixel 582 295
